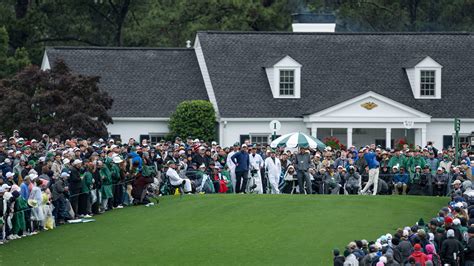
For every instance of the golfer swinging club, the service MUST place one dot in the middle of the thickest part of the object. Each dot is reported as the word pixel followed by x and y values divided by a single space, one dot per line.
pixel 371 159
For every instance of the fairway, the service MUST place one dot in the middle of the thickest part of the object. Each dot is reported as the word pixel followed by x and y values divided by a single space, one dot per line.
pixel 223 229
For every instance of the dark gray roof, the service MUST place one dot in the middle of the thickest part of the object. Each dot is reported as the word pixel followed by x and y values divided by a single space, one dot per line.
pixel 144 82
pixel 336 67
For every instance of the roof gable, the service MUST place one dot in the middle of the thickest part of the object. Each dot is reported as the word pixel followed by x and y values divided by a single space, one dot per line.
pixel 428 62
pixel 368 107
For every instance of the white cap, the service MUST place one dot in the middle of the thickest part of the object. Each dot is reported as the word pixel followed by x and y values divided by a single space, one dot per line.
pixel 9 174
pixel 117 159
pixel 42 159
pixel 244 145
pixel 202 166
pixel 64 174
pixel 77 161
pixel 113 146
pixel 18 152
pixel 214 143
pixel 440 168
pixel 10 151
pixel 6 186
pixel 7 160
pixel 196 140
pixel 66 161
pixel 34 140
pixel 33 176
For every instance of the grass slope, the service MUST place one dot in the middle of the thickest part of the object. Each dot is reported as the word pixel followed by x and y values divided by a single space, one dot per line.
pixel 223 229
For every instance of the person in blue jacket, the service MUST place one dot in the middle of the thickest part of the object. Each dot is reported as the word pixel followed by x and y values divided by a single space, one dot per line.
pixel 400 181
pixel 242 163
pixel 371 159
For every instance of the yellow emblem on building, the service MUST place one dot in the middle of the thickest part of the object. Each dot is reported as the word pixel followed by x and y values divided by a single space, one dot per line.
pixel 369 105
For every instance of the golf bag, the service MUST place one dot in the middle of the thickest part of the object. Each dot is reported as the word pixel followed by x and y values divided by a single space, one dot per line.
pixel 206 185
pixel 252 182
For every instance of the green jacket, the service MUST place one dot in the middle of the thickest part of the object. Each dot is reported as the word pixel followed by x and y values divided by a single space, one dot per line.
pixel 400 160
pixel 415 161
pixel 115 171
pixel 87 182
pixel 106 188
pixel 18 220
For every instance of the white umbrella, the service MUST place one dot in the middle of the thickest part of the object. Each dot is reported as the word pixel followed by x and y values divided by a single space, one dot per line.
pixel 297 139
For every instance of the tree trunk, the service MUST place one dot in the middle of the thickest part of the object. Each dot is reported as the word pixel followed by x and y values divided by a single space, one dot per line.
pixel 121 16
pixel 21 8
pixel 412 9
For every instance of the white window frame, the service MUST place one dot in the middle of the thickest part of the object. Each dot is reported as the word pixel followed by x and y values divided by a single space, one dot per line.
pixel 428 83
pixel 151 135
pixel 280 82
pixel 427 64
pixel 273 74
pixel 260 135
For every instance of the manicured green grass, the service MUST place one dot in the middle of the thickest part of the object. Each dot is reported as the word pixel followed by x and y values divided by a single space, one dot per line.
pixel 223 229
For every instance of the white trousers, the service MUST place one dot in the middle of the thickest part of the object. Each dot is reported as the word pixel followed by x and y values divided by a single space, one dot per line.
pixel 373 179
pixel 273 180
pixel 233 179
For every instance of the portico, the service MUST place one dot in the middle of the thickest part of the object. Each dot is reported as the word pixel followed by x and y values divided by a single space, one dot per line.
pixel 370 115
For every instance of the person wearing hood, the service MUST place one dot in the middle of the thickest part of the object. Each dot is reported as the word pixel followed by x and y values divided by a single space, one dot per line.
pixel 431 254
pixel 36 202
pixel 451 249
pixel 351 259
pixel 405 247
pixel 418 255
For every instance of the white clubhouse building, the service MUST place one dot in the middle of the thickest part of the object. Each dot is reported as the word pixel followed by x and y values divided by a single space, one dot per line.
pixel 359 87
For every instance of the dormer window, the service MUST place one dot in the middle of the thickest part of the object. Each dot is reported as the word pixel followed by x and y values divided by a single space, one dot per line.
pixel 287 82
pixel 424 75
pixel 427 82
pixel 284 77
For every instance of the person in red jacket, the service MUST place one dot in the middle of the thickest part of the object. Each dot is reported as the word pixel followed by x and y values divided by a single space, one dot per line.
pixel 418 255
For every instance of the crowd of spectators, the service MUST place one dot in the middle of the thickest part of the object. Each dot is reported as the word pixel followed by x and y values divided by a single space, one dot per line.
pixel 47 182
pixel 447 239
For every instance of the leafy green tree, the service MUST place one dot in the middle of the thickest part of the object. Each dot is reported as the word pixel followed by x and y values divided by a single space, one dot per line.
pixel 194 118
pixel 55 102
pixel 10 64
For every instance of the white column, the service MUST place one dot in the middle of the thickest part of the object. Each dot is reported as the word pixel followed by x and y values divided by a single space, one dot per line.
pixel 418 137
pixel 349 137
pixel 423 137
pixel 314 131
pixel 388 138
